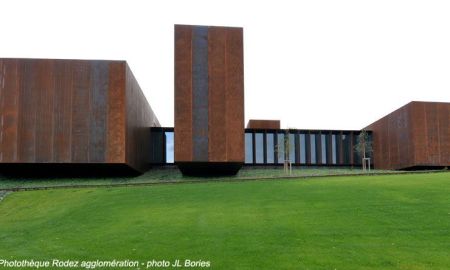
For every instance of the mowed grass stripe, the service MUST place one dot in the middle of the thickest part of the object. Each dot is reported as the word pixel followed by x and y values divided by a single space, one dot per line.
pixel 355 222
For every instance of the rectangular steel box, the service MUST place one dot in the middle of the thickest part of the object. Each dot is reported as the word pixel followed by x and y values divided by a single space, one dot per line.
pixel 73 112
pixel 416 135
pixel 209 97
pixel 263 124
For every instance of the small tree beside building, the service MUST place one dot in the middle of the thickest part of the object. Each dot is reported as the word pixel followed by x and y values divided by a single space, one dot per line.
pixel 283 151
pixel 364 148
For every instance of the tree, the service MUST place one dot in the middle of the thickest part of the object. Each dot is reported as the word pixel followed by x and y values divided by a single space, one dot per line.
pixel 284 149
pixel 364 147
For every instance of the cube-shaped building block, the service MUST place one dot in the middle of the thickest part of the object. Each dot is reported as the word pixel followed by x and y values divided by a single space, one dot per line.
pixel 413 137
pixel 73 114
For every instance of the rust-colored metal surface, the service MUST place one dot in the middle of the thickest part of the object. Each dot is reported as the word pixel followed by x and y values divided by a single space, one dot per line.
pixel 115 151
pixel 139 117
pixel 183 93
pixel 234 97
pixel 209 95
pixel 72 112
pixel 217 133
pixel 416 135
pixel 263 124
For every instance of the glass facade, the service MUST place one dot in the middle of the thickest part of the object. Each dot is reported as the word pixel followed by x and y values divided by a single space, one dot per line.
pixel 356 156
pixel 302 148
pixel 323 146
pixel 280 147
pixel 346 147
pixel 333 149
pixel 248 148
pixel 305 147
pixel 312 147
pixel 259 148
pixel 270 156
pixel 169 147
pixel 158 147
pixel 291 144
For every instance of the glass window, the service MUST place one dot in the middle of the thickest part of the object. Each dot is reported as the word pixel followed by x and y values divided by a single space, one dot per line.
pixel 292 147
pixel 302 149
pixel 312 142
pixel 270 148
pixel 356 157
pixel 280 147
pixel 323 142
pixel 346 147
pixel 158 146
pixel 333 149
pixel 248 148
pixel 259 148
pixel 169 147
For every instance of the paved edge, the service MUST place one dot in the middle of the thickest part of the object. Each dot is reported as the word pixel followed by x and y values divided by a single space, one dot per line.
pixel 3 194
pixel 243 179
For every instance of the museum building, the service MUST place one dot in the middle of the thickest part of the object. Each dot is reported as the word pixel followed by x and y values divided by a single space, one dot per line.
pixel 91 115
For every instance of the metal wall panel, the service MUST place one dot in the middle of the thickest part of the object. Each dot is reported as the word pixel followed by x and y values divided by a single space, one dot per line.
pixel 418 136
pixel 27 114
pixel 432 131
pixel 9 109
pixel 444 132
pixel 99 101
pixel 235 95
pixel 115 135
pixel 44 114
pixel 200 93
pixel 183 93
pixel 62 125
pixel 217 37
pixel 81 111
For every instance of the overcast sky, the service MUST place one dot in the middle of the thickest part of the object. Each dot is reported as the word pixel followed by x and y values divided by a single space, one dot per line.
pixel 311 64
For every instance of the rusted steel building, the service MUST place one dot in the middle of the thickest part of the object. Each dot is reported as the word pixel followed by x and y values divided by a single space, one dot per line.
pixel 91 114
pixel 415 136
pixel 209 99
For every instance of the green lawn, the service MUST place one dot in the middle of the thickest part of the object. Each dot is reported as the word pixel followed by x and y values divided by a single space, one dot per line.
pixel 164 175
pixel 349 222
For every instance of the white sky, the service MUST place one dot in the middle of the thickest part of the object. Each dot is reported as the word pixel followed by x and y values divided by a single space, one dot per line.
pixel 311 64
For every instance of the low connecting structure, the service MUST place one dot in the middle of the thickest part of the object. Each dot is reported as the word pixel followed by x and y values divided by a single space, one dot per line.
pixel 91 116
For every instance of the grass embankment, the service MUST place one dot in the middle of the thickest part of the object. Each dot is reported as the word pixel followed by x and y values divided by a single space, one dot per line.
pixel 172 175
pixel 358 222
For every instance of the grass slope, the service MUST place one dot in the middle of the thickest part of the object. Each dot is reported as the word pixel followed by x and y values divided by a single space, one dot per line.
pixel 172 174
pixel 359 222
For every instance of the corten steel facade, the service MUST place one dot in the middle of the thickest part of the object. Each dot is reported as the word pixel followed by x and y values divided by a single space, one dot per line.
pixel 263 124
pixel 91 115
pixel 73 112
pixel 415 136
pixel 209 99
